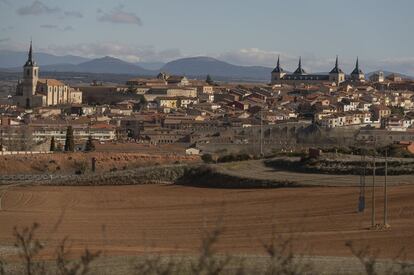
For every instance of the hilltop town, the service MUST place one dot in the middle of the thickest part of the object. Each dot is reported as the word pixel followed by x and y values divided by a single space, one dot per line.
pixel 206 137
pixel 293 111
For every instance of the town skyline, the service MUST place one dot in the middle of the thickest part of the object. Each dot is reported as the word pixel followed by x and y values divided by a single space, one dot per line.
pixel 59 28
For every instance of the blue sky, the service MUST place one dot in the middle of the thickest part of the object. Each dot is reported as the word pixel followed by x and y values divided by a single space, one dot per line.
pixel 248 32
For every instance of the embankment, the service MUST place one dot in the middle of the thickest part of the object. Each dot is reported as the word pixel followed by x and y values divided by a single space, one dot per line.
pixel 396 166
pixel 188 175
pixel 71 163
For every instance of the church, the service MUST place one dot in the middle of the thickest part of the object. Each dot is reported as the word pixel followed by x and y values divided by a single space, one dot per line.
pixel 32 91
pixel 300 76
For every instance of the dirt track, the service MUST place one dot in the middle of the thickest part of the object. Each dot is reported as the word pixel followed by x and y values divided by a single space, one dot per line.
pixel 256 169
pixel 128 220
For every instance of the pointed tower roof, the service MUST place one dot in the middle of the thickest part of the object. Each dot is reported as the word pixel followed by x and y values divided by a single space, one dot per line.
pixel 30 61
pixel 336 69
pixel 357 70
pixel 299 70
pixel 278 69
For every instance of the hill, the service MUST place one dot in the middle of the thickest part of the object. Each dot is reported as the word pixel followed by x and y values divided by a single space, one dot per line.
pixel 202 66
pixel 387 73
pixel 11 59
pixel 109 64
pixel 105 65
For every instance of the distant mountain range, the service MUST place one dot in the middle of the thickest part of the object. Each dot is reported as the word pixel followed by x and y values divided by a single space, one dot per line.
pixel 197 67
pixel 201 66
pixel 11 59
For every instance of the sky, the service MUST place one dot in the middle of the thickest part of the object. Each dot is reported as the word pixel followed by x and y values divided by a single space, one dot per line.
pixel 248 32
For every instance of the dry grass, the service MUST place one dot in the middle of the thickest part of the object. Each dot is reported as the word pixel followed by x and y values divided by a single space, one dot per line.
pixel 68 163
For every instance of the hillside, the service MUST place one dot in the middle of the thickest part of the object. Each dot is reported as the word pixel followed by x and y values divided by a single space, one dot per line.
pixel 11 59
pixel 202 66
pixel 109 64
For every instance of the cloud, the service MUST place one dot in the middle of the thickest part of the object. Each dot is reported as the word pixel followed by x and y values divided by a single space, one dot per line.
pixel 127 52
pixel 49 26
pixel 37 8
pixel 312 63
pixel 258 57
pixel 68 28
pixel 76 14
pixel 400 65
pixel 57 27
pixel 7 2
pixel 7 28
pixel 119 16
pixel 250 57
pixel 2 40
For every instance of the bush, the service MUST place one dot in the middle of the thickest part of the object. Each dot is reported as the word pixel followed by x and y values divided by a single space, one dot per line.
pixel 81 167
pixel 207 158
pixel 29 247
pixel 89 146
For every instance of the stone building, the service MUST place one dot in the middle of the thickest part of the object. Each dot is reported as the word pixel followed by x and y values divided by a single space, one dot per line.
pixel 33 91
pixel 300 76
pixel 357 75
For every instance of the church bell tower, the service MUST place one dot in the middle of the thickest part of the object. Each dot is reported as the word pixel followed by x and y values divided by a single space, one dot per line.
pixel 30 74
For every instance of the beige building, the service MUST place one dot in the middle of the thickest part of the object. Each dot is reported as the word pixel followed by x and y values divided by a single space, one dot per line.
pixel 33 91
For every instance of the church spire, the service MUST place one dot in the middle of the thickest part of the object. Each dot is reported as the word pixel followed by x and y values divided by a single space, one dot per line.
pixel 278 69
pixel 357 70
pixel 336 63
pixel 30 61
pixel 336 69
pixel 30 52
pixel 357 63
pixel 299 70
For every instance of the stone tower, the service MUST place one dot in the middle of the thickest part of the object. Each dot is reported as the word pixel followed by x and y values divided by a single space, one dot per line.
pixel 278 73
pixel 336 75
pixel 357 74
pixel 299 70
pixel 30 77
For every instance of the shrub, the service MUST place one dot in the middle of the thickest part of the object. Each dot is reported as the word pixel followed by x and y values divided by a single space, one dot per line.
pixel 81 167
pixel 89 146
pixel 29 248
pixel 233 157
pixel 69 142
pixel 207 158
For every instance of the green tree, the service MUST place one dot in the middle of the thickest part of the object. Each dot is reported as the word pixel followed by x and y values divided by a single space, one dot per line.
pixel 52 144
pixel 89 146
pixel 59 147
pixel 69 142
pixel 397 111
pixel 142 104
pixel 209 80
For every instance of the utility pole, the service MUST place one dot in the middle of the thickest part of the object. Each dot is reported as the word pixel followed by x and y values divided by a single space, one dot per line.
pixel 261 132
pixel 386 225
pixel 373 189
pixel 361 202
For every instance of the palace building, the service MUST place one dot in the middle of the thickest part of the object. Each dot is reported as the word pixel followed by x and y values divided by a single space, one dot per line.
pixel 33 91
pixel 300 76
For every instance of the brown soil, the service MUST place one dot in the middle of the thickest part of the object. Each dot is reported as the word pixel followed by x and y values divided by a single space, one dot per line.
pixel 68 163
pixel 128 220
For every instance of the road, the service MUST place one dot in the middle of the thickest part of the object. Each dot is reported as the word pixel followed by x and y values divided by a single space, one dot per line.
pixel 256 169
